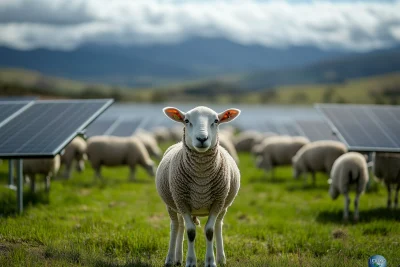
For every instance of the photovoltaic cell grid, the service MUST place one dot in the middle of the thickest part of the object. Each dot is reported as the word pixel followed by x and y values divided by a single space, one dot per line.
pixel 281 128
pixel 99 127
pixel 7 109
pixel 365 127
pixel 44 128
pixel 125 127
pixel 316 130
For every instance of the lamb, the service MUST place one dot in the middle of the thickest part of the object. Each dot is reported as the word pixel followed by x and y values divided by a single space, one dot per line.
pixel 226 143
pixel 118 151
pixel 46 166
pixel 386 168
pixel 74 151
pixel 150 143
pixel 317 156
pixel 349 169
pixel 246 140
pixel 278 151
pixel 197 177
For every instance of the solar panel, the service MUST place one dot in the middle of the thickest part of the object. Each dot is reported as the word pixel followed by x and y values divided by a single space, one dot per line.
pixel 125 127
pixel 287 127
pixel 365 127
pixel 18 98
pixel 316 130
pixel 45 127
pixel 99 127
pixel 10 109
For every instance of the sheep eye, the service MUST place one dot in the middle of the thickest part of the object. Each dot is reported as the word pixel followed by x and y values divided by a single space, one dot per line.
pixel 186 121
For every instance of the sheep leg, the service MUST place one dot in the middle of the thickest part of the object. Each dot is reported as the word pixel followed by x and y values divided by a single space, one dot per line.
pixel 47 183
pixel 356 213
pixel 67 171
pixel 396 196
pixel 191 233
pixel 313 178
pixel 97 173
pixel 346 206
pixel 179 241
pixel 209 231
pixel 218 238
pixel 174 225
pixel 132 173
pixel 33 184
pixel 389 200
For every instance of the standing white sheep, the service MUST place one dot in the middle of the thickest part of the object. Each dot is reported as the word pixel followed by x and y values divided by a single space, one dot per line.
pixel 277 151
pixel 317 156
pixel 246 140
pixel 162 134
pixel 150 143
pixel 74 151
pixel 46 166
pixel 197 177
pixel 348 170
pixel 226 143
pixel 118 151
pixel 386 168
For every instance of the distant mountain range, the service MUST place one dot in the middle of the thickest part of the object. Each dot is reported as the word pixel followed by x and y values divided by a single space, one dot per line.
pixel 247 67
pixel 160 64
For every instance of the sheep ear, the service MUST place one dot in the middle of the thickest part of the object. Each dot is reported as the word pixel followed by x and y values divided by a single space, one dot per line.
pixel 228 115
pixel 174 114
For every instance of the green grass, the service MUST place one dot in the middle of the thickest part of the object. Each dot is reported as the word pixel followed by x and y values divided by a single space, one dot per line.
pixel 278 222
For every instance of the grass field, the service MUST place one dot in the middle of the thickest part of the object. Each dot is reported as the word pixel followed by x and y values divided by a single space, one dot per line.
pixel 279 222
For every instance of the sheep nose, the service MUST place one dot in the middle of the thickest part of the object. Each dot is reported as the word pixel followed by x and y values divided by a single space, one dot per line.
pixel 202 140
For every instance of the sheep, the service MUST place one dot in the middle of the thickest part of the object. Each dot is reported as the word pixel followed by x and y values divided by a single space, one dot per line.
pixel 278 151
pixel 349 169
pixel 176 133
pixel 226 143
pixel 45 166
pixel 150 142
pixel 197 177
pixel 246 140
pixel 317 156
pixel 162 134
pixel 117 151
pixel 74 151
pixel 386 168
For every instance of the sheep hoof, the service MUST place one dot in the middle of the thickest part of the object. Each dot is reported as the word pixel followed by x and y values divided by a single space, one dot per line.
pixel 356 219
pixel 178 263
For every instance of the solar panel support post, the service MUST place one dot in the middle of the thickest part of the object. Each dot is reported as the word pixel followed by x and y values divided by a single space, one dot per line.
pixel 10 174
pixel 20 186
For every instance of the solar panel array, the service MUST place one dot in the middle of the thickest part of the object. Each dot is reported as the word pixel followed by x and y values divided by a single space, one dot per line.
pixel 119 126
pixel 316 130
pixel 45 127
pixel 365 127
pixel 8 109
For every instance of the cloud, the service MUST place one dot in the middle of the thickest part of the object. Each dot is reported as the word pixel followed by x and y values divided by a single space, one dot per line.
pixel 66 24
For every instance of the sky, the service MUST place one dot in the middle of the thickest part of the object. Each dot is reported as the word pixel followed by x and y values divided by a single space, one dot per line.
pixel 67 24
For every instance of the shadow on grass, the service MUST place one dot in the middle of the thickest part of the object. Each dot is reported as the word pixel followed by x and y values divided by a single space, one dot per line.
pixel 365 216
pixel 8 200
pixel 307 187
pixel 132 263
pixel 267 179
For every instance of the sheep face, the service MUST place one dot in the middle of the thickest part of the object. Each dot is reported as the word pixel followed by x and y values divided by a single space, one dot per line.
pixel 333 192
pixel 201 125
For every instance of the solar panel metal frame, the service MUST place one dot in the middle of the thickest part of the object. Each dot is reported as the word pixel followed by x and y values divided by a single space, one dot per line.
pixel 320 107
pixel 107 104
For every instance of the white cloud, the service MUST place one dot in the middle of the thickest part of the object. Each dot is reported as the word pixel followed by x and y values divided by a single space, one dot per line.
pixel 65 24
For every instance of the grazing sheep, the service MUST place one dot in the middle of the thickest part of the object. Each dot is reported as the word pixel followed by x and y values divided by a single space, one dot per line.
pixel 46 166
pixel 278 151
pixel 197 177
pixel 74 151
pixel 176 133
pixel 228 131
pixel 349 169
pixel 150 142
pixel 317 156
pixel 118 151
pixel 226 143
pixel 162 134
pixel 386 168
pixel 246 140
